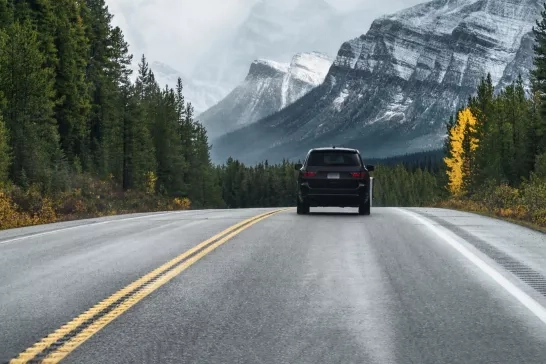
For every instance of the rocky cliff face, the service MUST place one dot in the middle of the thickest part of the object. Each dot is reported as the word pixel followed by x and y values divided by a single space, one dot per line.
pixel 276 29
pixel 269 87
pixel 391 90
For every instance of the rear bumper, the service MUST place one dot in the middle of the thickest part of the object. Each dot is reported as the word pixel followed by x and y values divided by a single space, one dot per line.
pixel 334 197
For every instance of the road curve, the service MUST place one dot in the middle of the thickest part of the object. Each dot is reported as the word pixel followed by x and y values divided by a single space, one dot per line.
pixel 399 286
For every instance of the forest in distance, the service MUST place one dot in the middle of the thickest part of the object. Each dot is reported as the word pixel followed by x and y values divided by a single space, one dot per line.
pixel 79 138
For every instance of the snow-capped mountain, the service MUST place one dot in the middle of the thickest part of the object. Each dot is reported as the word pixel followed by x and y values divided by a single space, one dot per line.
pixel 275 29
pixel 269 86
pixel 391 90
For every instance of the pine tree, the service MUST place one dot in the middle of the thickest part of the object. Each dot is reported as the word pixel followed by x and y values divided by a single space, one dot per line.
pixel 142 151
pixel 28 88
pixel 488 157
pixel 73 106
pixel 142 83
pixel 41 14
pixel 180 102
pixel 113 126
pixel 102 78
pixel 170 160
pixel 504 121
pixel 185 131
pixel 5 157
pixel 535 136
pixel 6 14
pixel 539 78
pixel 523 126
pixel 204 190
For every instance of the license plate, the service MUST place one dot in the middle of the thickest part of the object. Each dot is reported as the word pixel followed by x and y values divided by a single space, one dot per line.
pixel 333 175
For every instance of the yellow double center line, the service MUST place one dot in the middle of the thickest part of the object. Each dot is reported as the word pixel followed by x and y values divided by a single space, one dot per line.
pixel 57 345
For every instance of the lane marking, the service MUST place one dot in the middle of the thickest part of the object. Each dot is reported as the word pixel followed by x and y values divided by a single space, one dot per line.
pixel 87 225
pixel 54 347
pixel 532 305
pixel 92 224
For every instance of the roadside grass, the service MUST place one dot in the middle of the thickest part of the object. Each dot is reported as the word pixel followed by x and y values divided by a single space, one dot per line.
pixel 525 205
pixel 88 198
pixel 466 206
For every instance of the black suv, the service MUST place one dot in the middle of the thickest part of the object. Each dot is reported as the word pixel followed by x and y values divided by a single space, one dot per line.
pixel 334 177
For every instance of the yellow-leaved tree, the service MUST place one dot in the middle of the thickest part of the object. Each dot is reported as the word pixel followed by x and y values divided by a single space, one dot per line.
pixel 462 142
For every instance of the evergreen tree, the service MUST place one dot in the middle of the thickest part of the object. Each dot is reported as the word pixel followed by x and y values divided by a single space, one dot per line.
pixel 42 15
pixel 535 135
pixel 103 80
pixel 539 79
pixel 185 132
pixel 28 88
pixel 523 131
pixel 203 186
pixel 6 15
pixel 169 156
pixel 5 157
pixel 114 126
pixel 73 106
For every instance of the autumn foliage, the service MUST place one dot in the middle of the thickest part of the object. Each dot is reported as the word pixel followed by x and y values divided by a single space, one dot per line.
pixel 496 155
pixel 90 198
pixel 463 142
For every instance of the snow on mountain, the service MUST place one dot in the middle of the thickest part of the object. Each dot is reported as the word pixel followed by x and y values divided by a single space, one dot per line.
pixel 276 29
pixel 268 87
pixel 391 90
pixel 277 66
pixel 310 68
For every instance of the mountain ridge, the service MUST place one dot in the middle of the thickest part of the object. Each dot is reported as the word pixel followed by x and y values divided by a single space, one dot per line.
pixel 268 87
pixel 391 90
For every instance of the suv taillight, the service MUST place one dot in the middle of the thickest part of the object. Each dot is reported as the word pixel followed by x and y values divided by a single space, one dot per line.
pixel 361 175
pixel 309 174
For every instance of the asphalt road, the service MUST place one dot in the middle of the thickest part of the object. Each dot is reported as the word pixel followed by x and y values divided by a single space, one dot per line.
pixel 399 286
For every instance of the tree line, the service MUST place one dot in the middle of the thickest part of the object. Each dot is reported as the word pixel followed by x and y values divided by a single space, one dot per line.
pixel 495 139
pixel 71 107
pixel 68 106
pixel 77 127
pixel 274 185
pixel 496 145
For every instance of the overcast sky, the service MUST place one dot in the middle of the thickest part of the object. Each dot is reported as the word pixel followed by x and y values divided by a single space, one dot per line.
pixel 178 32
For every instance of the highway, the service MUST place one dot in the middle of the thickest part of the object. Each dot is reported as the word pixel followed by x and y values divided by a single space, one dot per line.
pixel 270 286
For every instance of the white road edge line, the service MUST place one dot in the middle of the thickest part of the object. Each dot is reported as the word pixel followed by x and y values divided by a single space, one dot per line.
pixel 536 308
pixel 87 225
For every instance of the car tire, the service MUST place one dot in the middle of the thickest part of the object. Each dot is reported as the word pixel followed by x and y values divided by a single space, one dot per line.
pixel 302 208
pixel 364 208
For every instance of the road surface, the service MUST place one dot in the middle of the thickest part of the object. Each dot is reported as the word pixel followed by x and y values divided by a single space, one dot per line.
pixel 399 286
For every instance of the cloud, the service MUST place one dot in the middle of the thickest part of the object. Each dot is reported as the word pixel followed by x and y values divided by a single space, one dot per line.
pixel 176 31
pixel 179 32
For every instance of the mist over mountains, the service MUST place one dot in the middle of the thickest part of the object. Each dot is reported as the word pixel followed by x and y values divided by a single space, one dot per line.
pixel 391 90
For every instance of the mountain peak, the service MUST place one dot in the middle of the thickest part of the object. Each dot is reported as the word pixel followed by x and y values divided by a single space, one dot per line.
pixel 497 26
pixel 391 90
pixel 310 67
pixel 445 16
pixel 269 87
pixel 262 68
pixel 274 29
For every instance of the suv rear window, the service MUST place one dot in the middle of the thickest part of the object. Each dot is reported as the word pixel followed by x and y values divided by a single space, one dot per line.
pixel 333 158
